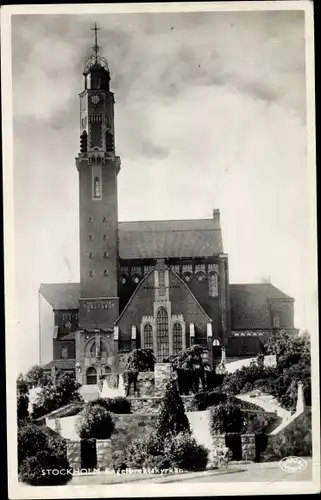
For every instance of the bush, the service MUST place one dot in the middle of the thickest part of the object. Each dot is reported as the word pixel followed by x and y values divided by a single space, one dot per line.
pixel 31 469
pixel 179 451
pixel 31 439
pixel 52 397
pixel 117 405
pixel 172 418
pixel 119 460
pixel 255 423
pixel 38 451
pixel 226 418
pixel 94 422
pixel 22 408
pixel 187 454
pixel 204 400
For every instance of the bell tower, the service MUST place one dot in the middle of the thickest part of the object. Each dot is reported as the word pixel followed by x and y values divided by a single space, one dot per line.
pixel 98 167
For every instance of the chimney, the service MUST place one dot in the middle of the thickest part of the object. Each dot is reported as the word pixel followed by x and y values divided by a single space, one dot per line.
pixel 216 214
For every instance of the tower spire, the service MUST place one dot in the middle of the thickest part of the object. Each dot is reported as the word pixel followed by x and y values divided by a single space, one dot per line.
pixel 96 46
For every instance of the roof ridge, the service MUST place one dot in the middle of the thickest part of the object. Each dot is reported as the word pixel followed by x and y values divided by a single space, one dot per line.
pixel 167 220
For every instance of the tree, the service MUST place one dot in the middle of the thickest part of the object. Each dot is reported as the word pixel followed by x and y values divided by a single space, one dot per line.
pixel 51 397
pixel 139 360
pixel 190 368
pixel 94 422
pixel 22 399
pixel 21 385
pixel 172 418
pixel 34 375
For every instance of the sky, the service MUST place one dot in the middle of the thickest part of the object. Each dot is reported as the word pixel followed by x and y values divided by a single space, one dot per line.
pixel 210 113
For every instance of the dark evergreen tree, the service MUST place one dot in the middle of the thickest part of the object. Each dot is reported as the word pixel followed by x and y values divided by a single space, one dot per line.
pixel 172 418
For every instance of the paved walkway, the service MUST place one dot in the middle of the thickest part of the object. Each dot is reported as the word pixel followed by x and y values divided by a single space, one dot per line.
pixel 254 472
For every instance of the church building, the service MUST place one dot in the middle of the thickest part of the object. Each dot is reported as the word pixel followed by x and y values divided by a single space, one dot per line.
pixel 160 284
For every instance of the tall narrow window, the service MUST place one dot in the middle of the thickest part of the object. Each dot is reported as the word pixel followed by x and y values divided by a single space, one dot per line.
pixel 276 322
pixel 64 352
pixel 97 188
pixel 162 334
pixel 148 337
pixel 177 338
pixel 213 285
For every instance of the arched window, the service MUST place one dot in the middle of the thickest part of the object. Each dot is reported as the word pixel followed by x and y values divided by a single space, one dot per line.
pixel 162 334
pixel 148 336
pixel 97 190
pixel 91 376
pixel 177 338
pixel 213 285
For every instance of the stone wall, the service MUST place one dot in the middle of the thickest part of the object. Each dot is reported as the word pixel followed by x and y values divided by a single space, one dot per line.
pixel 104 453
pixel 163 374
pixel 151 404
pixel 248 446
pixel 74 454
pixel 129 427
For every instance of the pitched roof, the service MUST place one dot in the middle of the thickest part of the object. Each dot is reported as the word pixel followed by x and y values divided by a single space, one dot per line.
pixel 170 238
pixel 250 308
pixel 61 295
pixel 61 364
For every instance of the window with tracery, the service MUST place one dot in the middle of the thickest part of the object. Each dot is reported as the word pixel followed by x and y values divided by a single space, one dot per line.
pixel 148 336
pixel 177 338
pixel 97 189
pixel 162 334
pixel 213 285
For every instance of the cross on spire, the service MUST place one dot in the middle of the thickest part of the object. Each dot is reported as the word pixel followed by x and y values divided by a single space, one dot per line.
pixel 96 46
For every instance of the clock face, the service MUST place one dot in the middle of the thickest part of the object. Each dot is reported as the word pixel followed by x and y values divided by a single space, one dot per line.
pixel 95 100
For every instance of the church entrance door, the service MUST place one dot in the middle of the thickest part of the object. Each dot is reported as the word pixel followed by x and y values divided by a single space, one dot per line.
pixel 91 376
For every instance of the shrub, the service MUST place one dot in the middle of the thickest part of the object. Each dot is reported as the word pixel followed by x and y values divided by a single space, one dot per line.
pixel 38 451
pixel 31 439
pixel 172 418
pixel 52 397
pixel 117 405
pixel 187 454
pixel 22 408
pixel 94 422
pixel 226 418
pixel 255 423
pixel 204 400
pixel 119 460
pixel 31 469
pixel 179 451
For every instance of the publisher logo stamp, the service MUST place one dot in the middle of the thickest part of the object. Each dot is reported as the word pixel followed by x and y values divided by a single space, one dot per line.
pixel 293 464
